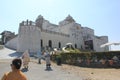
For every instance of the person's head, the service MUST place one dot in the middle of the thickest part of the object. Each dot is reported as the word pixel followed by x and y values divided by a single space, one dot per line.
pixel 16 64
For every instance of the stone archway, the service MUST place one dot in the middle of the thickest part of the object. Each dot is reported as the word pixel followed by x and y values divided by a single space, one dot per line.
pixel 50 43
pixel 41 43
pixel 75 45
pixel 59 45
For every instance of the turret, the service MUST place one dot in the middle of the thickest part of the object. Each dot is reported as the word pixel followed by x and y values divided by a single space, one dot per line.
pixel 69 19
pixel 39 21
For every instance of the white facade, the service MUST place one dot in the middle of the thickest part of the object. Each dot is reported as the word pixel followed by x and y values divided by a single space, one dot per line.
pixel 97 41
pixel 12 43
pixel 28 38
pixel 42 34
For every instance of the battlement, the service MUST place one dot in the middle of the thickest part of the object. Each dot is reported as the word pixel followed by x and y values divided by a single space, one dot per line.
pixel 27 23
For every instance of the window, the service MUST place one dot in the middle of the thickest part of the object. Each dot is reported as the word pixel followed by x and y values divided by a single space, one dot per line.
pixel 75 45
pixel 50 43
pixel 41 43
pixel 59 45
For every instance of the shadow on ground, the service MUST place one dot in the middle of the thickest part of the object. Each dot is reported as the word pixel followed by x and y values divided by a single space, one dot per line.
pixel 15 54
pixel 24 69
pixel 49 69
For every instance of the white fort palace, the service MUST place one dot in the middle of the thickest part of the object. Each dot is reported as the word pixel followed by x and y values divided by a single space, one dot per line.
pixel 42 34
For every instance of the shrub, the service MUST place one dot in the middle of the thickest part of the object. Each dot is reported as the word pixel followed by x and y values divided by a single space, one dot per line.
pixel 72 57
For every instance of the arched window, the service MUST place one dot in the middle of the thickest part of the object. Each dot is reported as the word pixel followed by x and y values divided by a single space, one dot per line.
pixel 41 43
pixel 50 44
pixel 81 47
pixel 75 45
pixel 59 45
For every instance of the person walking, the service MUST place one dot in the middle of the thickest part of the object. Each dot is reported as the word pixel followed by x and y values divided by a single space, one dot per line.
pixel 26 59
pixel 16 73
pixel 39 55
pixel 47 59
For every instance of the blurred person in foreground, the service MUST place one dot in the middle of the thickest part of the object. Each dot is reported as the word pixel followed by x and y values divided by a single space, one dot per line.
pixel 16 73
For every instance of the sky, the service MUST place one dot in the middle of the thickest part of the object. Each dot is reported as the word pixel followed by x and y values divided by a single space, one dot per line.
pixel 101 15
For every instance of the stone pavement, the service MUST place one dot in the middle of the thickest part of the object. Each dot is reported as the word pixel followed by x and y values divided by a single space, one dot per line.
pixel 8 54
pixel 36 71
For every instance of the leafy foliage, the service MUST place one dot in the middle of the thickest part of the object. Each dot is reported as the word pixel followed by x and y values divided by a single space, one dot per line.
pixel 73 56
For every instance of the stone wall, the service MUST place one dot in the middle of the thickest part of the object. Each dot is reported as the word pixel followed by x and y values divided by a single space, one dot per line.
pixel 29 38
pixel 55 39
pixel 12 43
pixel 98 41
pixel 32 34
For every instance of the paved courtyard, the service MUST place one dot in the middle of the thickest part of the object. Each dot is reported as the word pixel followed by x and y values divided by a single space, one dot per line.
pixel 36 71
